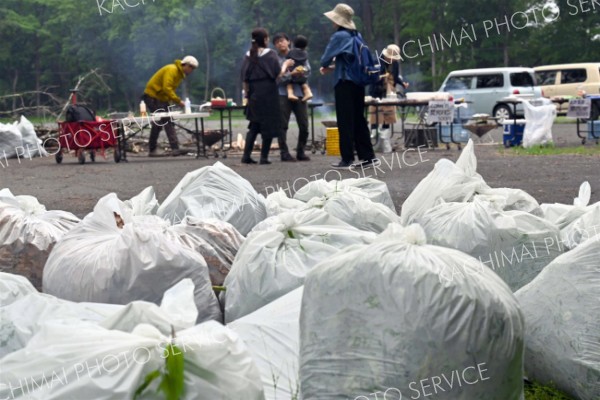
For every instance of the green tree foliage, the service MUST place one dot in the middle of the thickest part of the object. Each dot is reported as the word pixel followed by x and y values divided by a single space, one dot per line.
pixel 47 44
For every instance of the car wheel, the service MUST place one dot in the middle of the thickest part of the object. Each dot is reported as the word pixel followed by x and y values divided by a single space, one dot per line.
pixel 502 112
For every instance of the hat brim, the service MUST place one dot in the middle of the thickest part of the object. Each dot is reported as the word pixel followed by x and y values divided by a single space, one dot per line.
pixel 339 20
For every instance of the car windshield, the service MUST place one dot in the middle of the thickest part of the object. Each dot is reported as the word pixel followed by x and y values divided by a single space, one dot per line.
pixel 458 83
pixel 521 79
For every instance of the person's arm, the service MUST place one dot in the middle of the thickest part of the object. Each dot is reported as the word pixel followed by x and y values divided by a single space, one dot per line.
pixel 339 44
pixel 397 79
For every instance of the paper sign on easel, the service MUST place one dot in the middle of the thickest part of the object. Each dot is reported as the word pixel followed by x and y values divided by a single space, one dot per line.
pixel 579 108
pixel 440 111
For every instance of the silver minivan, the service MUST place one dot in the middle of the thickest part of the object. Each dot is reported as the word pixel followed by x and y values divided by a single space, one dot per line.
pixel 484 88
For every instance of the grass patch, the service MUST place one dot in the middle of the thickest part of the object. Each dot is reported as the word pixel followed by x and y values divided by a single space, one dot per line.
pixel 535 391
pixel 550 150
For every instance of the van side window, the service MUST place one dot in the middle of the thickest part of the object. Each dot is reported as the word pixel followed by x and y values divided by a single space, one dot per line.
pixel 546 77
pixel 490 81
pixel 521 79
pixel 573 75
pixel 458 83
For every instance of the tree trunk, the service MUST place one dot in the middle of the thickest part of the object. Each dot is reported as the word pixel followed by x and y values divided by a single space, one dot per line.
pixel 207 76
pixel 367 18
pixel 14 89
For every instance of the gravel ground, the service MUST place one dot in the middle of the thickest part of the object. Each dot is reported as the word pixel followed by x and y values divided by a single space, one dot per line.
pixel 76 188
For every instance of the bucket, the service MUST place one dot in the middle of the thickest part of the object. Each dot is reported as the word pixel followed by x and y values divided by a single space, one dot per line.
pixel 332 142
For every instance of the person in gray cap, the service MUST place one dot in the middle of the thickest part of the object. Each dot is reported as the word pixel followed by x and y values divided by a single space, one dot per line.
pixel 349 95
pixel 159 93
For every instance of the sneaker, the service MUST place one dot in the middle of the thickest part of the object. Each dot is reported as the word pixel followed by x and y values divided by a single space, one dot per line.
pixel 264 162
pixel 375 162
pixel 302 157
pixel 287 157
pixel 342 165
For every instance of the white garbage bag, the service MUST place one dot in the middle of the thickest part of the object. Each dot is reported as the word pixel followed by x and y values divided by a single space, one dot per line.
pixel 447 182
pixel 509 199
pixel 30 142
pixel 19 140
pixel 216 241
pixel 538 128
pixel 278 253
pixel 278 202
pixel 582 228
pixel 384 144
pixel 356 210
pixel 215 192
pixel 13 287
pixel 99 261
pixel 22 319
pixel 562 315
pixel 514 244
pixel 10 140
pixel 373 189
pixel 563 214
pixel 27 234
pixel 272 336
pixel 144 203
pixel 379 318
pixel 92 362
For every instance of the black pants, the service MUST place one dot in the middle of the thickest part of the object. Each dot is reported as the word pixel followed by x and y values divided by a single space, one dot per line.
pixel 300 110
pixel 153 105
pixel 351 122
pixel 253 131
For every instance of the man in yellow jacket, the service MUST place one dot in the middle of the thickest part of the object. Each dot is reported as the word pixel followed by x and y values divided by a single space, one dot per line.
pixel 159 93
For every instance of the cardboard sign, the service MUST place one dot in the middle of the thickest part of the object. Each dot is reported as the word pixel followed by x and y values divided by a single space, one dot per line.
pixel 440 111
pixel 579 108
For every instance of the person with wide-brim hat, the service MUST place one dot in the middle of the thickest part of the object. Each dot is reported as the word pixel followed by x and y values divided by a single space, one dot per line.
pixel 349 95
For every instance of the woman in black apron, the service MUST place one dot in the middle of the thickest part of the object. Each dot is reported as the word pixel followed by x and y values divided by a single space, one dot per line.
pixel 260 71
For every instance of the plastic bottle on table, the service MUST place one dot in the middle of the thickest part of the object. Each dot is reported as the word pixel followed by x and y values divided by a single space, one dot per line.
pixel 143 108
pixel 188 106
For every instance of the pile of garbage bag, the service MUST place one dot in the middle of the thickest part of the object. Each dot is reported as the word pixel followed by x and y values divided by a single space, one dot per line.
pixel 28 233
pixel 19 140
pixel 327 294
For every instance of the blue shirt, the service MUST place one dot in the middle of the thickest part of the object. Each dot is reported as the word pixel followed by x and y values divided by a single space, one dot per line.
pixel 339 47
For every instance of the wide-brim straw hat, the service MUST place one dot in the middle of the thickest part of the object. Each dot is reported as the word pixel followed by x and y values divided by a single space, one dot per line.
pixel 342 15
pixel 392 52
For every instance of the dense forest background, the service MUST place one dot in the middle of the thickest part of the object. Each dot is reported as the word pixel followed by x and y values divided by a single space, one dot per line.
pixel 46 46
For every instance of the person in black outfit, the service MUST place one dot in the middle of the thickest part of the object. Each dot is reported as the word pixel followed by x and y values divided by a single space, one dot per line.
pixel 260 70
pixel 349 95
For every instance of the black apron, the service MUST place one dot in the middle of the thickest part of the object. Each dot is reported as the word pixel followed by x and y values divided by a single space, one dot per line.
pixel 263 94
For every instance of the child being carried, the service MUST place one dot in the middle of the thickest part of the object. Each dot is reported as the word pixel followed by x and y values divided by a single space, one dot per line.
pixel 300 57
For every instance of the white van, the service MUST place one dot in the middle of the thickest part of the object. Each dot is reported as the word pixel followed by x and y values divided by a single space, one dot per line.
pixel 483 88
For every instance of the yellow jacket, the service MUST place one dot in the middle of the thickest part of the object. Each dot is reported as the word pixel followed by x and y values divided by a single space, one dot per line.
pixel 165 81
